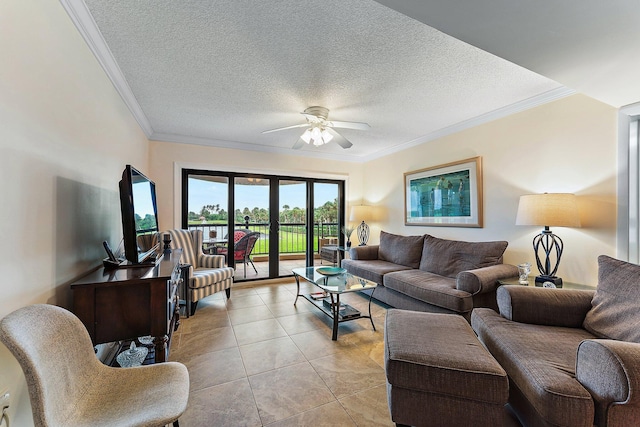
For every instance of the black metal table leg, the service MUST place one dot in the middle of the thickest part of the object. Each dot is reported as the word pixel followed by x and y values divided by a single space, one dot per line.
pixel 370 316
pixel 336 310
pixel 298 285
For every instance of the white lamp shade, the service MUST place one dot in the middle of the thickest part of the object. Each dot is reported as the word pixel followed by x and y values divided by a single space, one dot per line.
pixel 360 213
pixel 548 209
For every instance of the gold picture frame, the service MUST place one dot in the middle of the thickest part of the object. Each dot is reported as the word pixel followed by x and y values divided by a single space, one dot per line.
pixel 448 195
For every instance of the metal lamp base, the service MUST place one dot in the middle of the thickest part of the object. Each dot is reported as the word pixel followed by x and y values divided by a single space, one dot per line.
pixel 363 233
pixel 547 243
pixel 557 281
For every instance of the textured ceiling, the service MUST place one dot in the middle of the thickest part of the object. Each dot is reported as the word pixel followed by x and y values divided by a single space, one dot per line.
pixel 221 72
pixel 587 45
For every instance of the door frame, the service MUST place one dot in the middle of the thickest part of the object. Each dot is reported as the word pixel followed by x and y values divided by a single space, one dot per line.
pixel 274 209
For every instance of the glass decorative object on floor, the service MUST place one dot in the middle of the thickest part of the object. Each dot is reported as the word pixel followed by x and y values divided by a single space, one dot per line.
pixel 523 270
pixel 132 357
pixel 146 340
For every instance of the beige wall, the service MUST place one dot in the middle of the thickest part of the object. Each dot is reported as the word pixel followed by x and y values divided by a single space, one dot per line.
pixel 565 146
pixel 167 159
pixel 65 136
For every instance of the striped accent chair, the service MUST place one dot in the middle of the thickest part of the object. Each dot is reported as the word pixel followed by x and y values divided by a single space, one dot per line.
pixel 146 242
pixel 207 273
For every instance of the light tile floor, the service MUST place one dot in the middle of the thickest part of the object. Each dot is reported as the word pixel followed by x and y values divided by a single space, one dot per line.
pixel 257 360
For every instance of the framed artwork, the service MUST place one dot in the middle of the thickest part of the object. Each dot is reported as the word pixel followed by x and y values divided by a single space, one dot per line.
pixel 448 195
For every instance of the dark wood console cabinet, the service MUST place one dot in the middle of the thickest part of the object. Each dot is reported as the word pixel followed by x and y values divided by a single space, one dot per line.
pixel 125 303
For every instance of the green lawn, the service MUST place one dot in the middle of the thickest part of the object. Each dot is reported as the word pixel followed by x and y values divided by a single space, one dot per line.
pixel 293 239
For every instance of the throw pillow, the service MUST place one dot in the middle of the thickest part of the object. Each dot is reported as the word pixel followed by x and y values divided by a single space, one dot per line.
pixel 450 257
pixel 403 250
pixel 614 310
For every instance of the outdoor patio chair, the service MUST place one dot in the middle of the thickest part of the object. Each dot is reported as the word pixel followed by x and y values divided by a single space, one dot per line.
pixel 242 250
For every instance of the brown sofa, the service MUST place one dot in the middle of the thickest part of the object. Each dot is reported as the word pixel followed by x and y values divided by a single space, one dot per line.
pixel 425 273
pixel 572 356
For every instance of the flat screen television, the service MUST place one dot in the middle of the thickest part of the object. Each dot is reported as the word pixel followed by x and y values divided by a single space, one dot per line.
pixel 139 214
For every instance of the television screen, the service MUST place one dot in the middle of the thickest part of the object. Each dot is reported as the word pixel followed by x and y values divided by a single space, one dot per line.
pixel 144 207
pixel 139 215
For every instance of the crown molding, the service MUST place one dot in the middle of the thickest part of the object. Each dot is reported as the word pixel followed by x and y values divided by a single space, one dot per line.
pixel 234 145
pixel 535 101
pixel 631 109
pixel 86 25
pixel 543 98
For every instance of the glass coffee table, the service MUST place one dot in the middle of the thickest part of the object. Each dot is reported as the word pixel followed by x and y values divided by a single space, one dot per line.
pixel 333 283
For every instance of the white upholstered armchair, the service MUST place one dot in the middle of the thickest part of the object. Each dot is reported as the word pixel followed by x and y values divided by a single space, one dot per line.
pixel 207 273
pixel 69 386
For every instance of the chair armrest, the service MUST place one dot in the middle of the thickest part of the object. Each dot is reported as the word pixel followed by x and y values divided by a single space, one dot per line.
pixel 186 271
pixel 482 280
pixel 544 306
pixel 364 252
pixel 211 261
pixel 610 370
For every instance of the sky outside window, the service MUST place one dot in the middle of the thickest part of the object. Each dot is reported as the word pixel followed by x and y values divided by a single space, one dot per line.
pixel 202 193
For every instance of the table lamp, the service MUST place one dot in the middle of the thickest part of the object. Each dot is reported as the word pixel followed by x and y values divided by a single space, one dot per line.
pixel 548 209
pixel 361 213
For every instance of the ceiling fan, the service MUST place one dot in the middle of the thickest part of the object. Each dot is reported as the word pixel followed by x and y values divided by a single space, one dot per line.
pixel 320 130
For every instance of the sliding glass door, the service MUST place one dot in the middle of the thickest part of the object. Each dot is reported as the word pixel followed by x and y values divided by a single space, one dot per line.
pixel 292 224
pixel 205 207
pixel 251 197
pixel 293 218
pixel 326 213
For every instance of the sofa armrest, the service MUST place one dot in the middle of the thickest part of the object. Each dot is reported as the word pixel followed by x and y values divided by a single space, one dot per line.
pixel 364 252
pixel 544 306
pixel 482 280
pixel 610 370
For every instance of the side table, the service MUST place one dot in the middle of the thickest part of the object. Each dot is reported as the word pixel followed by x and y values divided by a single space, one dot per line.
pixel 565 285
pixel 334 254
pixel 330 253
pixel 342 253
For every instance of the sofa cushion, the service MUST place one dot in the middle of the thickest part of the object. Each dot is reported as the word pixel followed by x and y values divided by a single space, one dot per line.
pixel 371 269
pixel 614 310
pixel 403 250
pixel 540 361
pixel 450 257
pixel 430 288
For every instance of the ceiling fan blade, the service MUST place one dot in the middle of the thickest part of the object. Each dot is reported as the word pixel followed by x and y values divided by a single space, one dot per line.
pixel 339 139
pixel 288 127
pixel 311 118
pixel 349 125
pixel 299 144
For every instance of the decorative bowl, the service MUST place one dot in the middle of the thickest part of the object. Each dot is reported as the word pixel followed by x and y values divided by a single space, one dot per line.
pixel 331 271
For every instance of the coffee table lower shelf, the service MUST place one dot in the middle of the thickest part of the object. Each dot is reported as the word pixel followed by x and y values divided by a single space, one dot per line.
pixel 332 309
pixel 337 317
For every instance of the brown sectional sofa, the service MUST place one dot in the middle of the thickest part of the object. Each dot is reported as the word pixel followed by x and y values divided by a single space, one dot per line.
pixel 572 356
pixel 425 273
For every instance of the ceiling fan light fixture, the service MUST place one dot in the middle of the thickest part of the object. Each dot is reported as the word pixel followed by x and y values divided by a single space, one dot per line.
pixel 316 134
pixel 320 131
pixel 306 136
pixel 326 136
